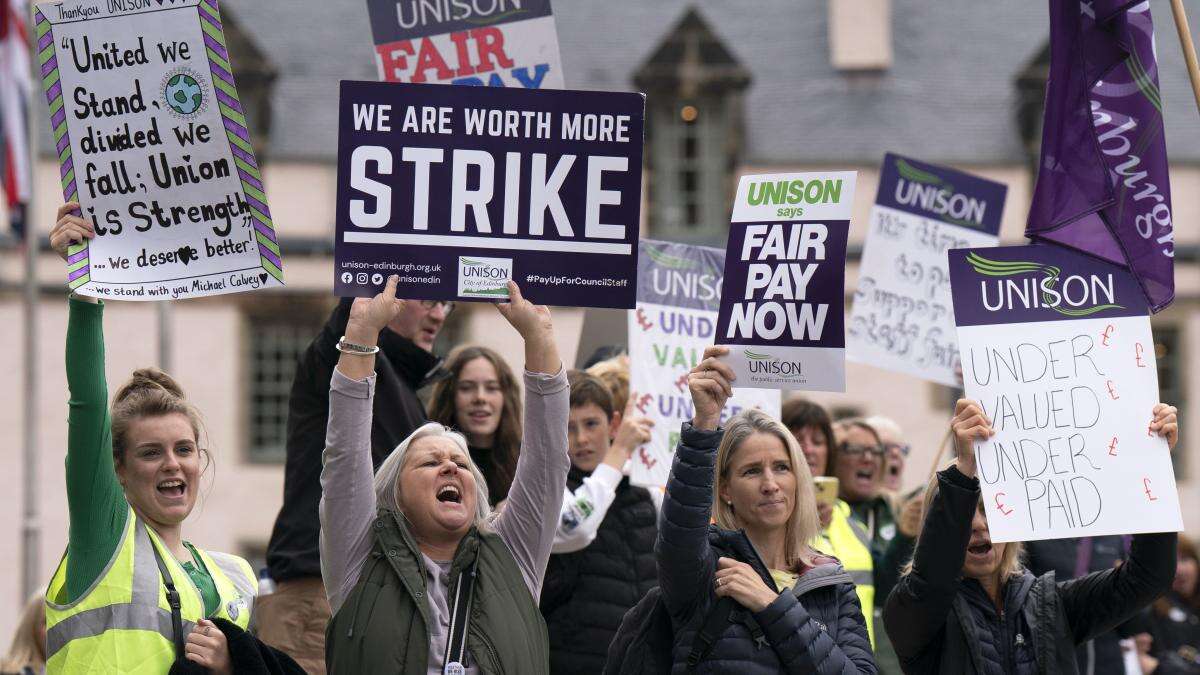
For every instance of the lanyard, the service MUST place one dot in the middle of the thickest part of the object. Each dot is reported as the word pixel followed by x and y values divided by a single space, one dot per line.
pixel 173 601
pixel 456 642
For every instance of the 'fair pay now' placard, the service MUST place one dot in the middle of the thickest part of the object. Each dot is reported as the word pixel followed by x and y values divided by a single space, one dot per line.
pixel 782 301
pixel 1057 349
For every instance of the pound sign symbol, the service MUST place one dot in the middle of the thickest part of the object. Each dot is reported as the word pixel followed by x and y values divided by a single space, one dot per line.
pixel 1146 485
pixel 1104 336
pixel 1112 391
pixel 1137 351
pixel 1003 509
pixel 1112 447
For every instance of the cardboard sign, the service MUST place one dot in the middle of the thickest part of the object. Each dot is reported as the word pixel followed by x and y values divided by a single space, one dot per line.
pixel 782 303
pixel 494 43
pixel 1057 349
pixel 902 318
pixel 154 147
pixel 459 189
pixel 679 291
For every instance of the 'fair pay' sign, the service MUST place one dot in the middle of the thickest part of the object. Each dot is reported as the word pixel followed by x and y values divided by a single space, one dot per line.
pixel 783 295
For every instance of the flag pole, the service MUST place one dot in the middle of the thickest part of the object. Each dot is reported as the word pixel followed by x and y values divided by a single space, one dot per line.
pixel 1189 50
pixel 31 528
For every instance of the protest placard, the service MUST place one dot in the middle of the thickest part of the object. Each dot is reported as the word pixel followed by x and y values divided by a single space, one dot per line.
pixel 153 145
pixel 783 297
pixel 1056 348
pixel 459 189
pixel 494 43
pixel 902 318
pixel 679 291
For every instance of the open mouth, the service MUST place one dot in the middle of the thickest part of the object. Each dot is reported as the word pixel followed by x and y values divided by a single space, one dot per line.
pixel 980 549
pixel 864 474
pixel 449 494
pixel 479 415
pixel 894 470
pixel 172 488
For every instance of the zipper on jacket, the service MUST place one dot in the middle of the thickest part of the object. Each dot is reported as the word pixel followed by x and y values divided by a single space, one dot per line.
pixel 491 653
pixel 1006 648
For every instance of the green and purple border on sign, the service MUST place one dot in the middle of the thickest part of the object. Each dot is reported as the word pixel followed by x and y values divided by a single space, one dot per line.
pixel 234 119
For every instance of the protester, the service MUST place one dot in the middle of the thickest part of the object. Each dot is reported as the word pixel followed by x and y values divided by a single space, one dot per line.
pixel 480 398
pixel 1172 644
pixel 603 552
pixel 293 618
pixel 131 594
pixel 841 536
pixel 858 465
pixel 895 453
pixel 27 653
pixel 795 610
pixel 967 606
pixel 614 373
pixel 394 545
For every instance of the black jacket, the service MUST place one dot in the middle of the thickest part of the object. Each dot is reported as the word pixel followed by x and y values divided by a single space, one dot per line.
pixel 818 627
pixel 937 624
pixel 1176 634
pixel 401 367
pixel 586 593
pixel 247 656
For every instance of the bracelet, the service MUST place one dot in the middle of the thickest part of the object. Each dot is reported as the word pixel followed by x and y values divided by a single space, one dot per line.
pixel 357 350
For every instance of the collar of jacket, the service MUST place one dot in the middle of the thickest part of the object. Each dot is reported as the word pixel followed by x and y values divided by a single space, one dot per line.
pixel 736 544
pixel 415 366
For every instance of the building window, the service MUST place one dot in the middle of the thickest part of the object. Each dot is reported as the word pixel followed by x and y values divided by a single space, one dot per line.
pixel 1168 352
pixel 274 343
pixel 694 86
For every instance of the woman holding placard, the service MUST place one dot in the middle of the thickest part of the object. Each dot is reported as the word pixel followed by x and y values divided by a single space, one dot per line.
pixel 966 605
pixel 131 594
pixel 789 608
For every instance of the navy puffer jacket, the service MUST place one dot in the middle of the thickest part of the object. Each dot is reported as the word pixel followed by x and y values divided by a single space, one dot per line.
pixel 817 627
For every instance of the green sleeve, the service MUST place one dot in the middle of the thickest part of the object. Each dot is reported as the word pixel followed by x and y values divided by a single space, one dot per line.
pixel 95 500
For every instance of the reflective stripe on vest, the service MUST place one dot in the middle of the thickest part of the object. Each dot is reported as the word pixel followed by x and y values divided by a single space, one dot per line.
pixel 851 545
pixel 127 603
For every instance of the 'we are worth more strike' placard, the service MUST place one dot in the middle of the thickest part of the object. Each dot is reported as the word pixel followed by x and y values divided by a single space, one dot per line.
pixel 153 145
pixel 1056 347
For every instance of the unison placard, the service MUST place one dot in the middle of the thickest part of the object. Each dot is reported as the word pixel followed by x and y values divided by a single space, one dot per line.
pixel 783 298
pixel 1057 349
pixel 458 189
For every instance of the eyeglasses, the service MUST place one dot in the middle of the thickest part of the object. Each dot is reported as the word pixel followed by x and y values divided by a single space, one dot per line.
pixel 902 448
pixel 854 450
pixel 446 305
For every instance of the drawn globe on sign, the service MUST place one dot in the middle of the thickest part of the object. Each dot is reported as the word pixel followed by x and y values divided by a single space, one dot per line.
pixel 183 94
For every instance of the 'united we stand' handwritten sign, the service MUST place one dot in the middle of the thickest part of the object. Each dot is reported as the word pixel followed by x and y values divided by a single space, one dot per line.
pixel 494 43
pixel 782 303
pixel 678 292
pixel 1057 349
pixel 902 318
pixel 153 145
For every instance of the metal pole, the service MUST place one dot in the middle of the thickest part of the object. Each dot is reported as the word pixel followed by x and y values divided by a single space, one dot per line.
pixel 31 526
pixel 164 334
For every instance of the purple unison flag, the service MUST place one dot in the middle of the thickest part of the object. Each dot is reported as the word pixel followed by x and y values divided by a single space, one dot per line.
pixel 1102 184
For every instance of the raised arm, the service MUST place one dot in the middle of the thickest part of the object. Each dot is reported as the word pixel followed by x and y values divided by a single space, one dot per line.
pixel 916 610
pixel 347 492
pixel 528 520
pixel 685 561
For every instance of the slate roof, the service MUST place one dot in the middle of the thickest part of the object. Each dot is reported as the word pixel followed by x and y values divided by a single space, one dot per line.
pixel 949 95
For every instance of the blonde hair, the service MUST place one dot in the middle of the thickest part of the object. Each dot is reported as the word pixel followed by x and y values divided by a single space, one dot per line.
pixel 28 648
pixel 387 478
pixel 614 373
pixel 1010 562
pixel 802 525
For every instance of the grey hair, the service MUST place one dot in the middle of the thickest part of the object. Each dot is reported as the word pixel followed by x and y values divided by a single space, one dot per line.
pixel 387 478
pixel 883 424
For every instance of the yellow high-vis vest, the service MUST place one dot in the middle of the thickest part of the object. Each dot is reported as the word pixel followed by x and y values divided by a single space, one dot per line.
pixel 847 541
pixel 122 623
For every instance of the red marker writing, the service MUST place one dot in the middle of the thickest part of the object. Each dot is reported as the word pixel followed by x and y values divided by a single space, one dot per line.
pixel 1112 447
pixel 1146 484
pixel 1137 350
pixel 1003 509
pixel 681 383
pixel 1112 390
pixel 643 402
pixel 645 323
pixel 649 463
pixel 1104 336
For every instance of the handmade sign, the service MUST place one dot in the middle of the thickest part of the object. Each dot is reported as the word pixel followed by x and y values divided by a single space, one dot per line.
pixel 902 318
pixel 154 147
pixel 783 296
pixel 679 290
pixel 494 43
pixel 459 189
pixel 1056 347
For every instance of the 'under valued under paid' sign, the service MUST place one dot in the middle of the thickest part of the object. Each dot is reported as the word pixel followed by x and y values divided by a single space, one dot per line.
pixel 1056 347
pixel 782 301
pixel 459 189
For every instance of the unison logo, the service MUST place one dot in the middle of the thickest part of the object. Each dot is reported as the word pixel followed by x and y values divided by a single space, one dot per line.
pixel 432 12
pixel 683 277
pixel 484 277
pixel 932 193
pixel 766 364
pixel 1032 285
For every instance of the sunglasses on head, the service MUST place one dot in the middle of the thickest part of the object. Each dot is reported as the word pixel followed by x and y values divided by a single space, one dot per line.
pixel 854 449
